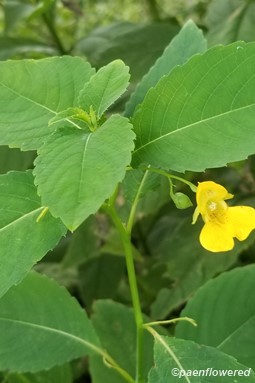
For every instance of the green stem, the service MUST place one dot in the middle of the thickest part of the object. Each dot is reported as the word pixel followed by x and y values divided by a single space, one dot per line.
pixel 111 362
pixel 126 241
pixel 131 217
pixel 168 175
pixel 170 321
pixel 54 35
pixel 153 7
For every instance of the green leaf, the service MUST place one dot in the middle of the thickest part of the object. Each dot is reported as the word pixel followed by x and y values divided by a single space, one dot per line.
pixel 188 42
pixel 229 21
pixel 54 375
pixel 115 326
pixel 84 244
pixel 105 87
pixel 76 171
pixel 174 356
pixel 15 11
pixel 192 115
pixel 224 309
pixel 24 241
pixel 34 91
pixel 137 183
pixel 100 277
pixel 14 159
pixel 41 310
pixel 138 45
pixel 12 47
pixel 174 241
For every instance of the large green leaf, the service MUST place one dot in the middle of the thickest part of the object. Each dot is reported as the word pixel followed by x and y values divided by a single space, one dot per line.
pixel 105 87
pixel 188 42
pixel 41 326
pixel 32 92
pixel 115 326
pixel 76 171
pixel 175 357
pixel 24 241
pixel 202 114
pixel 224 309
pixel 138 45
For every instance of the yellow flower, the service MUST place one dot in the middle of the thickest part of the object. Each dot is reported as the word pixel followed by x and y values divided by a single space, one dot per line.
pixel 222 223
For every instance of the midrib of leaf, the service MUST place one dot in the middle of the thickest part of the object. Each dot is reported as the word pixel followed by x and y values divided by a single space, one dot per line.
pixel 197 123
pixel 28 99
pixel 233 333
pixel 104 90
pixel 21 218
pixel 56 331
pixel 82 170
pixel 168 349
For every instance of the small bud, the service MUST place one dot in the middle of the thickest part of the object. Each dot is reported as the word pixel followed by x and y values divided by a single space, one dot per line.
pixel 181 200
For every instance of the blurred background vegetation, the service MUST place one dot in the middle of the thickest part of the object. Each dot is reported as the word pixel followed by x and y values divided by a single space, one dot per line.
pixel 171 264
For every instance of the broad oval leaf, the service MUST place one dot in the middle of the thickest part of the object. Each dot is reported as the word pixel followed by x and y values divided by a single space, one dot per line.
pixel 105 87
pixel 175 357
pixel 24 241
pixel 224 309
pixel 202 114
pixel 34 91
pixel 40 310
pixel 76 171
pixel 188 42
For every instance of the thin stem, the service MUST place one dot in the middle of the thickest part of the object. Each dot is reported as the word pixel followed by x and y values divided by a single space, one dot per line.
pixel 131 217
pixel 126 241
pixel 168 175
pixel 111 362
pixel 54 35
pixel 170 321
pixel 153 7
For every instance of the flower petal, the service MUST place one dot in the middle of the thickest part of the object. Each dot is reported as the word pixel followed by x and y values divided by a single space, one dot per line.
pixel 210 191
pixel 216 237
pixel 242 219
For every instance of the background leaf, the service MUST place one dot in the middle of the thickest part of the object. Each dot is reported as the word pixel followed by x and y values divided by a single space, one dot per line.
pixel 14 159
pixel 115 326
pixel 12 48
pixel 100 277
pixel 188 42
pixel 60 331
pixel 105 87
pixel 224 309
pixel 93 164
pixel 229 21
pixel 192 115
pixel 137 45
pixel 56 374
pixel 32 92
pixel 192 356
pixel 23 240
